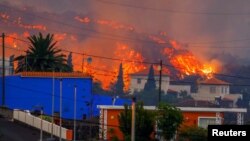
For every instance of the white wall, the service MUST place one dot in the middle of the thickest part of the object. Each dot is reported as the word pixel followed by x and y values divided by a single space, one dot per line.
pixel 180 88
pixel 135 86
pixel 8 68
pixel 219 89
pixel 36 122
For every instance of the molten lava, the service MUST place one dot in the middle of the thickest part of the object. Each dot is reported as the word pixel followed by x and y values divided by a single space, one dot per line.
pixel 126 53
pixel 108 23
pixel 82 20
pixel 186 63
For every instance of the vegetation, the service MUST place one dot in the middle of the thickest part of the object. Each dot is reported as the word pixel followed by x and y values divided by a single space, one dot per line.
pixel 150 84
pixel 144 123
pixel 42 55
pixel 193 134
pixel 148 97
pixel 97 88
pixel 69 62
pixel 119 85
pixel 169 120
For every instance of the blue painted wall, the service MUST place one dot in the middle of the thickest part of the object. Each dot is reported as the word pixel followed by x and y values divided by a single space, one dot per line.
pixel 28 93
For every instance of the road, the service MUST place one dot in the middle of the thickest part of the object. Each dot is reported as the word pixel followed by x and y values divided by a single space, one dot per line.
pixel 14 131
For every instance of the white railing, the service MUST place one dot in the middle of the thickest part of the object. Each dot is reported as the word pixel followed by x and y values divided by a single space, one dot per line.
pixel 46 126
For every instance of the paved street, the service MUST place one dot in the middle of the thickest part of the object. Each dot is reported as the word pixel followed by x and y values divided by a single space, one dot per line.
pixel 13 131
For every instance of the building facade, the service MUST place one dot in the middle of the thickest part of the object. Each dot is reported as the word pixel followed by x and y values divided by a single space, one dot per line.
pixel 139 79
pixel 35 90
pixel 9 68
pixel 193 116
pixel 215 90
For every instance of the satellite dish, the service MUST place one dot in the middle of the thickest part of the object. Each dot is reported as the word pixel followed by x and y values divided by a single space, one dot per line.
pixel 89 60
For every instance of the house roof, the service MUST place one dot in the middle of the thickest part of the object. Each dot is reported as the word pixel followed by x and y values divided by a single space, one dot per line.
pixel 232 97
pixel 213 81
pixel 195 103
pixel 54 74
pixel 146 71
pixel 172 91
pixel 185 109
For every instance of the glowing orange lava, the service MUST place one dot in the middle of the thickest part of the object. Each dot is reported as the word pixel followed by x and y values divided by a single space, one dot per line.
pixel 186 63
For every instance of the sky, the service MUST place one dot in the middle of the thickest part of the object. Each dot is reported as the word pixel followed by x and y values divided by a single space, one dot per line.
pixel 208 29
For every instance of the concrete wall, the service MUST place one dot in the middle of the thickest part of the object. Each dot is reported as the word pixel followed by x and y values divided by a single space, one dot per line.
pixel 180 88
pixel 219 89
pixel 38 123
pixel 8 67
pixel 135 86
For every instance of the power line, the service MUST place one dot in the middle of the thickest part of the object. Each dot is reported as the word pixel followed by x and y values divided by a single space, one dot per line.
pixel 109 36
pixel 166 65
pixel 133 61
pixel 94 56
pixel 219 47
pixel 175 11
pixel 101 35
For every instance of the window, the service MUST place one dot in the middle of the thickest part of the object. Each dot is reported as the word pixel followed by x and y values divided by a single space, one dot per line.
pixel 205 121
pixel 226 90
pixel 222 89
pixel 212 89
pixel 138 80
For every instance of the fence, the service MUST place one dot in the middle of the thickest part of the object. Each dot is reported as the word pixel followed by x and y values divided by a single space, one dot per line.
pixel 46 126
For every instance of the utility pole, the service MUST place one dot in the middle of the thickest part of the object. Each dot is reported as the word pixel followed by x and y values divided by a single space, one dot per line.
pixel 41 126
pixel 60 109
pixel 133 120
pixel 3 74
pixel 53 100
pixel 75 112
pixel 160 69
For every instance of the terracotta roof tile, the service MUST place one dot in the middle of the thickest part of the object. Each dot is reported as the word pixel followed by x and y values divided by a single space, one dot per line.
pixel 171 91
pixel 146 71
pixel 195 103
pixel 55 74
pixel 213 81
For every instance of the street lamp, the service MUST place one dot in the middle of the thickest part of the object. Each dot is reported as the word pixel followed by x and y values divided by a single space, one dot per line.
pixel 53 99
pixel 75 88
pixel 60 109
pixel 133 119
pixel 89 61
pixel 41 127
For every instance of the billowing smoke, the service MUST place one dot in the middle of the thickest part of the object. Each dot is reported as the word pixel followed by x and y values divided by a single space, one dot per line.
pixel 208 30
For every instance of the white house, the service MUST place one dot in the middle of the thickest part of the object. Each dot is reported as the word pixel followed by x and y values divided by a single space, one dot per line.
pixel 214 89
pixel 139 79
pixel 180 88
pixel 8 68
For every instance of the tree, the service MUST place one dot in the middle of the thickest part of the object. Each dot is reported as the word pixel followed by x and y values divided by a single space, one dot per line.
pixel 193 134
pixel 97 87
pixel 42 55
pixel 150 84
pixel 144 123
pixel 119 85
pixel 69 61
pixel 169 119
pixel 148 97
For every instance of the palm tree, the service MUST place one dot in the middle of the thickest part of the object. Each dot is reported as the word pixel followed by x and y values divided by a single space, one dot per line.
pixel 42 55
